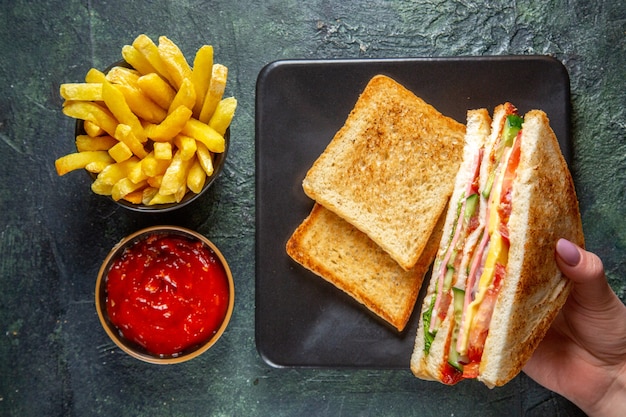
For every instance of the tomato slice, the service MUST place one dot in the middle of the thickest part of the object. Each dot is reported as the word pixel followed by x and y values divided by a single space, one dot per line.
pixel 480 324
pixel 504 208
pixel 450 375
pixel 446 299
pixel 470 370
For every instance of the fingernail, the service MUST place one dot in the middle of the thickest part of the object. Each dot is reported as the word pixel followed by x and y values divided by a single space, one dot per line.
pixel 568 252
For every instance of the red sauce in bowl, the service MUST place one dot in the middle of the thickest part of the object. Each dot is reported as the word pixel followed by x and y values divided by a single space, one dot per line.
pixel 167 293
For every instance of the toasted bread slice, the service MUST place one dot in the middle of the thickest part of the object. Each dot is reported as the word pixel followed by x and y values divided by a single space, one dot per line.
pixel 390 170
pixel 335 250
pixel 545 208
pixel 477 135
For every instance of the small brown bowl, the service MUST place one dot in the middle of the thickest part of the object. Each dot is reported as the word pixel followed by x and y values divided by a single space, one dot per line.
pixel 219 160
pixel 139 348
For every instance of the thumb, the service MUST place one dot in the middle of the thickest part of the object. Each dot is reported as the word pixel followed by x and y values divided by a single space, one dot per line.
pixel 586 271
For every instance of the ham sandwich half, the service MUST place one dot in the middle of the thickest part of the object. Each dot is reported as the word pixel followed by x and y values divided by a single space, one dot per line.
pixel 495 287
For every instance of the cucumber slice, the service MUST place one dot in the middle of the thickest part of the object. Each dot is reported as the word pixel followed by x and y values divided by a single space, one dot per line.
pixel 511 128
pixel 447 280
pixel 453 355
pixel 489 184
pixel 459 301
pixel 470 206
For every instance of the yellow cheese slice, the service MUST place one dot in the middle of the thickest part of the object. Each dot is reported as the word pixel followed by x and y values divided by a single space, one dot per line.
pixel 498 254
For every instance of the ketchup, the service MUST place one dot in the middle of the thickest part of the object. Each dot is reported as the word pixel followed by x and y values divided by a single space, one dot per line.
pixel 167 293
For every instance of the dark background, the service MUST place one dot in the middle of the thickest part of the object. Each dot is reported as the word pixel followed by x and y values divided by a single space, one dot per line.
pixel 56 360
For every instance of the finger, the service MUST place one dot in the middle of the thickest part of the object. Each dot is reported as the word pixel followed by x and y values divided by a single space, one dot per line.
pixel 578 264
pixel 586 271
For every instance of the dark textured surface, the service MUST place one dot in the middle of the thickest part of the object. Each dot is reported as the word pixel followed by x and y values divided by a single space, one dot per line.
pixel 56 360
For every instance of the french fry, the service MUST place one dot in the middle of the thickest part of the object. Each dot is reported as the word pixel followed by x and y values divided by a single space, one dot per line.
pixel 120 152
pixel 98 143
pixel 223 115
pixel 170 126
pixel 180 194
pixel 157 89
pixel 97 166
pixel 95 76
pixel 99 187
pixel 196 177
pixel 93 129
pixel 125 134
pixel 137 60
pixel 186 145
pixel 205 134
pixel 148 194
pixel 123 75
pixel 116 102
pixel 136 173
pixel 153 167
pixel 78 160
pixel 162 199
pixel 201 76
pixel 135 197
pixel 93 112
pixel 186 96
pixel 155 181
pixel 163 150
pixel 148 49
pixel 205 159
pixel 175 176
pixel 124 187
pixel 151 196
pixel 219 75
pixel 174 61
pixel 116 171
pixel 81 91
pixel 141 104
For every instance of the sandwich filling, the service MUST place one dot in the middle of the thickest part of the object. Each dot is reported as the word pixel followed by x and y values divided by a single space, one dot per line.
pixel 470 270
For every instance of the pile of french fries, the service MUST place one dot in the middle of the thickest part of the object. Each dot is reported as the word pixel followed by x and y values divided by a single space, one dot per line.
pixel 151 130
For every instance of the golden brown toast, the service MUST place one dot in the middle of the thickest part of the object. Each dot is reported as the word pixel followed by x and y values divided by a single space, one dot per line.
pixel 335 250
pixel 389 171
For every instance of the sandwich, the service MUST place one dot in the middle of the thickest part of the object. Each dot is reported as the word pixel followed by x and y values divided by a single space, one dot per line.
pixel 495 287
pixel 344 256
pixel 380 188
pixel 389 171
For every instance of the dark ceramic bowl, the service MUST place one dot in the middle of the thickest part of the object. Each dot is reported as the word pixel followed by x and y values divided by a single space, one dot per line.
pixel 133 348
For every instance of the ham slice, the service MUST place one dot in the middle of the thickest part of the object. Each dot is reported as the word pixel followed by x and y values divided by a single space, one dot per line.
pixel 442 300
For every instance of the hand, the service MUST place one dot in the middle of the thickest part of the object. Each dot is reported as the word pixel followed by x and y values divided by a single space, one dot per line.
pixel 583 356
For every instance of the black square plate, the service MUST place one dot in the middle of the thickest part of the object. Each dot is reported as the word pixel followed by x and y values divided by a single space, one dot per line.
pixel 301 320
